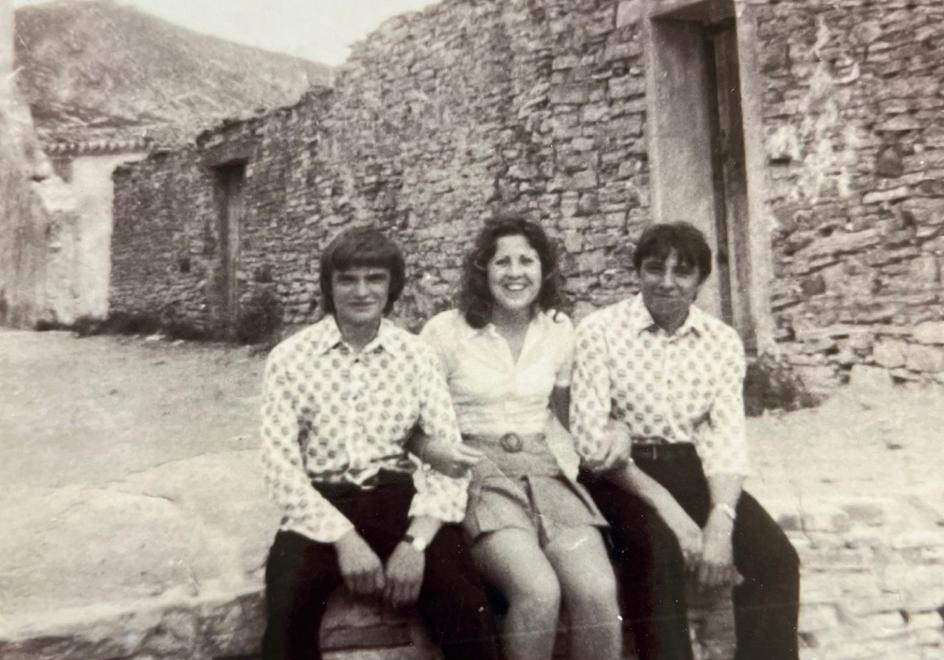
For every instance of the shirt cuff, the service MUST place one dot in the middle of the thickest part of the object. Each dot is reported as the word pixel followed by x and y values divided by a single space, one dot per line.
pixel 326 530
pixel 447 507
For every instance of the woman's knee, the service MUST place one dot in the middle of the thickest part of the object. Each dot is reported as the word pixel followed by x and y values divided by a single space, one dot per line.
pixel 588 601
pixel 540 590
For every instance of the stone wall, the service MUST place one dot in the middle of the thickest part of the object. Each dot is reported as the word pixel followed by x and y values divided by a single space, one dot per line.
pixel 468 110
pixel 91 186
pixel 852 105
pixel 438 122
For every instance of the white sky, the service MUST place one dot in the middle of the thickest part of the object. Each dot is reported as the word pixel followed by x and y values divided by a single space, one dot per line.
pixel 320 30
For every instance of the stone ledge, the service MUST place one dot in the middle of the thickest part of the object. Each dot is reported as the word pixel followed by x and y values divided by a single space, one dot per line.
pixel 228 625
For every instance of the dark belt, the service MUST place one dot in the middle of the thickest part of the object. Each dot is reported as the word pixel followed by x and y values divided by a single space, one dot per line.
pixel 662 451
pixel 331 490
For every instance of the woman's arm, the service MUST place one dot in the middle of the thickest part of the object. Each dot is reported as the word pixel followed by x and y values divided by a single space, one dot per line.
pixel 453 460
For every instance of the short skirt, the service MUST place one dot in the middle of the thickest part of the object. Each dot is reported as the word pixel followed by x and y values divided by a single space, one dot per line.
pixel 518 484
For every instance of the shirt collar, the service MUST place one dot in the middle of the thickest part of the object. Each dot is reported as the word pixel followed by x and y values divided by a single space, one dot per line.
pixel 540 317
pixel 640 320
pixel 330 337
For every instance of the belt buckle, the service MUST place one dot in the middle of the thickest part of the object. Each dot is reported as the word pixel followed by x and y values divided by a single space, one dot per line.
pixel 511 442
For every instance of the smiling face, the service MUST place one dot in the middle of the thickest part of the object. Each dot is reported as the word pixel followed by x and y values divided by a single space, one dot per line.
pixel 360 295
pixel 514 274
pixel 668 288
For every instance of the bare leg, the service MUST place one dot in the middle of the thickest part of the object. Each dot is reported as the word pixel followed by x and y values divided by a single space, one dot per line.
pixel 512 562
pixel 589 591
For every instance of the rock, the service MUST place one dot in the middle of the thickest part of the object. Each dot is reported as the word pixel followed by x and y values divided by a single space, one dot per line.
pixel 869 385
pixel 628 12
pixel 926 359
pixel 899 124
pixel 889 353
pixel 877 196
pixel 930 332
pixel 888 163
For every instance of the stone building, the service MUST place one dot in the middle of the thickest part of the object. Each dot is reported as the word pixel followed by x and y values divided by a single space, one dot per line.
pixel 804 136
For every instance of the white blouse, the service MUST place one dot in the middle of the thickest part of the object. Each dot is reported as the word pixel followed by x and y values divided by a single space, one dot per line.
pixel 494 394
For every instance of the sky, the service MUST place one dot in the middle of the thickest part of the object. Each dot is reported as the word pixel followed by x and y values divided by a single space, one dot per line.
pixel 320 30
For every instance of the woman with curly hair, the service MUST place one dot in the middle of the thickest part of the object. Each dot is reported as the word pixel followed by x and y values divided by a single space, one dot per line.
pixel 506 352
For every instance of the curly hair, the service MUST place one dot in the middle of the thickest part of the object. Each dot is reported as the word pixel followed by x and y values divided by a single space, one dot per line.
pixel 362 247
pixel 475 298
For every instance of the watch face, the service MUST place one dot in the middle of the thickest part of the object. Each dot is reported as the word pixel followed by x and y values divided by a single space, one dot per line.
pixel 417 544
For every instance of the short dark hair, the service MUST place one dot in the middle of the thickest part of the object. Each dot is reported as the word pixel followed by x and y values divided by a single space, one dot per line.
pixel 689 242
pixel 475 299
pixel 362 247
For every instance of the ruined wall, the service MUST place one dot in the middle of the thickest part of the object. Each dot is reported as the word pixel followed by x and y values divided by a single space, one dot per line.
pixel 437 122
pixel 92 187
pixel 443 119
pixel 852 105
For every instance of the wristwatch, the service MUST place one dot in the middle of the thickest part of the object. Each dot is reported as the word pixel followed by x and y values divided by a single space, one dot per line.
pixel 417 543
pixel 728 510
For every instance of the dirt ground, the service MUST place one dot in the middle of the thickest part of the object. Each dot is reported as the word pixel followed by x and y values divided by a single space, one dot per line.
pixel 96 409
pixel 91 410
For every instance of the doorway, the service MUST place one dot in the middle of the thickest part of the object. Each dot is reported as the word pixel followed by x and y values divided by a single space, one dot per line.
pixel 230 182
pixel 697 146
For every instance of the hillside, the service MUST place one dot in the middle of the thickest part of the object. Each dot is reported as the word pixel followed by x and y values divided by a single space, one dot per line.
pixel 99 69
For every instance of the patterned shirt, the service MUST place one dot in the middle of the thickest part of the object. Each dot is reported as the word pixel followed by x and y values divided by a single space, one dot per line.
pixel 333 415
pixel 685 387
pixel 492 392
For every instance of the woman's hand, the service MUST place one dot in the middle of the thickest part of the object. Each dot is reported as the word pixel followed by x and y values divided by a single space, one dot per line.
pixel 452 459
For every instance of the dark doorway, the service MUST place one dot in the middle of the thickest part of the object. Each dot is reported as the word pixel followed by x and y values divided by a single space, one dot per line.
pixel 230 182
pixel 697 145
pixel 726 125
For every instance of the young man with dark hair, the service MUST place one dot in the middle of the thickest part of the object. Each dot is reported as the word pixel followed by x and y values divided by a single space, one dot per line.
pixel 340 400
pixel 658 418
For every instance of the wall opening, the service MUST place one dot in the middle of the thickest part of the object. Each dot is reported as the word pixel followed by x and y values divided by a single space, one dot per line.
pixel 230 180
pixel 697 146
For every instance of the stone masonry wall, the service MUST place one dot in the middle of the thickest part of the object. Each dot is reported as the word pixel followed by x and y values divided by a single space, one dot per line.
pixel 443 119
pixel 852 103
pixel 438 122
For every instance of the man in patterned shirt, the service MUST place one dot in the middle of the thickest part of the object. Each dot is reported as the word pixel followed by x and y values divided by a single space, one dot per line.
pixel 658 418
pixel 340 399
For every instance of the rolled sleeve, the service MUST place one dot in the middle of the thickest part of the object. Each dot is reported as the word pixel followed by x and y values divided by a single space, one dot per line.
pixel 437 495
pixel 590 394
pixel 304 510
pixel 722 441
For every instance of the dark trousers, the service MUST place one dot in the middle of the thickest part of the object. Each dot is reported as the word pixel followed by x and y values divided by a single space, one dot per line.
pixel 302 574
pixel 652 573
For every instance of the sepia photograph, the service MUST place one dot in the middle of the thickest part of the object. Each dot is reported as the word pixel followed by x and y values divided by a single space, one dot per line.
pixel 471 329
